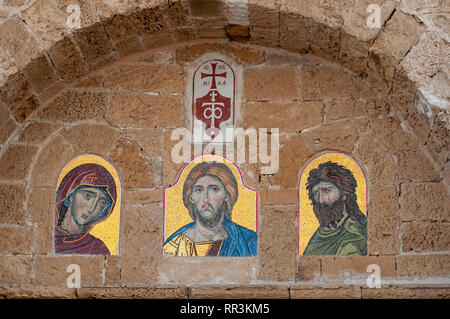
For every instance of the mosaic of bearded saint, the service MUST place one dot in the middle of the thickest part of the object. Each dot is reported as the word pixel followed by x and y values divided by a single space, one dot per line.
pixel 209 193
pixel 85 197
pixel 342 226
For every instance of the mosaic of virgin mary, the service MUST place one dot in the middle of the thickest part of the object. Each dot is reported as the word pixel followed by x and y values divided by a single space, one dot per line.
pixel 85 197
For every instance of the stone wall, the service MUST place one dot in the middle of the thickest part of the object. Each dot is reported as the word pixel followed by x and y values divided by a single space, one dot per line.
pixel 116 88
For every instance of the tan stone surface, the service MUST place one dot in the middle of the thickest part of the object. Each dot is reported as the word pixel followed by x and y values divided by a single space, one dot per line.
pixel 415 166
pixel 150 78
pixel 6 129
pixel 240 53
pixel 16 161
pixel 132 293
pixel 112 270
pixel 324 82
pixel 51 160
pixel 88 12
pixel 343 108
pixel 381 68
pixel 15 90
pixel 31 292
pixel 42 212
pixel 87 138
pixel 390 134
pixel 293 155
pixel 134 168
pixel 71 106
pixel 170 169
pixel 325 292
pixel 67 60
pixel 7 66
pixel 406 292
pixel 422 266
pixel 383 221
pixel 247 292
pixel 418 236
pixel 36 133
pixel 146 111
pixel 150 140
pixel 52 271
pixel 424 202
pixel 399 34
pixel 208 271
pixel 15 270
pixel 276 254
pixel 40 74
pixel 142 196
pixel 344 266
pixel 12 197
pixel 294 27
pixel 341 136
pixel 206 8
pixel 141 244
pixel 264 37
pixel 309 268
pixel 26 108
pixel 21 45
pixel 16 239
pixel 271 83
pixel 439 141
pixel 278 196
pixel 380 164
pixel 403 94
pixel 288 117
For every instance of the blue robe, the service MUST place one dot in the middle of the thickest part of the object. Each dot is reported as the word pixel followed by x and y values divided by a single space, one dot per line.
pixel 241 241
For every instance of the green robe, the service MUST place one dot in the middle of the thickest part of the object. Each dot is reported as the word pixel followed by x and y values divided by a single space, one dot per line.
pixel 349 239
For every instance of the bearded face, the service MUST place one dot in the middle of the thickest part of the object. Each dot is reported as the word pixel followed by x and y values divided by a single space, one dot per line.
pixel 328 204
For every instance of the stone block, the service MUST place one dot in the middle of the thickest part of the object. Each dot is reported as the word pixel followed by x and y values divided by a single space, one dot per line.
pixel 271 83
pixel 407 292
pixel 150 140
pixel 325 292
pixel 132 293
pixel 309 268
pixel 317 83
pixel 289 117
pixel 7 66
pixel 31 292
pixel 12 197
pixel 16 240
pixel 389 132
pixel 418 236
pixel 325 41
pixel 40 74
pixel 380 164
pixel 67 60
pixel 340 136
pixel 20 43
pixel 15 90
pixel 349 267
pixel 7 128
pixel 237 292
pixel 52 270
pixel 16 270
pixel 415 166
pixel 150 20
pixel 278 196
pixel 264 37
pixel 294 29
pixel 36 132
pixel 423 266
pixel 242 54
pixel 72 106
pixel 112 270
pixel 207 271
pixel 42 212
pixel 403 93
pixel 140 263
pixel 46 22
pixel 277 258
pixel 88 12
pixel 293 154
pixel 439 140
pixel 142 196
pixel 146 111
pixel 88 138
pixel 344 108
pixel 424 202
pixel 16 161
pixel 26 108
pixel 153 78
pixel 51 160
pixel 134 168
pixel 264 13
pixel 383 221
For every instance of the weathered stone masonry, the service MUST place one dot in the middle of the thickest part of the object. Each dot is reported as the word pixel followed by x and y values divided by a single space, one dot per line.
pixel 115 88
